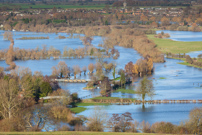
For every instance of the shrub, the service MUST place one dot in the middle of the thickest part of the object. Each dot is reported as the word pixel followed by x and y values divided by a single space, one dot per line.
pixel 64 128
pixel 79 127
pixel 182 28
pixel 189 59
pixel 145 127
pixel 162 127
pixel 61 112
pixel 13 124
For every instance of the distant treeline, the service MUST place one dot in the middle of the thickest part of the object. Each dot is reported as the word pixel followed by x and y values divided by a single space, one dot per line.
pixel 131 2
pixel 151 3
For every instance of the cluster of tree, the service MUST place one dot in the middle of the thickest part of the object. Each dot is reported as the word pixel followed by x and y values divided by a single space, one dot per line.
pixel 125 123
pixel 162 35
pixel 20 89
pixel 9 55
pixel 134 38
pixel 24 54
pixel 124 36
pixel 194 61
pixel 53 21
pixel 145 87
pixel 171 55
pixel 191 126
pixel 140 68
pixel 63 71
pixel 28 38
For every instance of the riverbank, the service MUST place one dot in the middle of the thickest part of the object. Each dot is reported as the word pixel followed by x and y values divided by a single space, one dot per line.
pixel 169 46
pixel 175 47
pixel 188 64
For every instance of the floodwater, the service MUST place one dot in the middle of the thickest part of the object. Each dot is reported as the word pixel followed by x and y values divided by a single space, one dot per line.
pixel 186 36
pixel 170 80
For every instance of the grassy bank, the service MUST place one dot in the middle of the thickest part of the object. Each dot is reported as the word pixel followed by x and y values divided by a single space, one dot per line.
pixel 118 78
pixel 175 47
pixel 188 64
pixel 89 88
pixel 106 98
pixel 71 133
pixel 125 91
pixel 77 109
pixel 111 99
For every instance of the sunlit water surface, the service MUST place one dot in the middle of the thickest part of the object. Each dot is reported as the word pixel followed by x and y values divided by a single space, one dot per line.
pixel 179 81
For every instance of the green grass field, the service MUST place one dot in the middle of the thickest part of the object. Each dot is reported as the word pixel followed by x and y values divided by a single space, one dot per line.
pixel 77 109
pixel 175 47
pixel 43 6
pixel 118 78
pixel 125 91
pixel 72 133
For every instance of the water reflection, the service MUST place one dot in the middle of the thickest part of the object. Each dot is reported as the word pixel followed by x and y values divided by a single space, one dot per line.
pixel 183 35
pixel 174 113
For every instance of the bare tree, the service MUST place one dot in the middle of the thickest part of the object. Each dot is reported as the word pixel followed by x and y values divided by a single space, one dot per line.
pixel 129 68
pixel 121 123
pixel 97 120
pixel 84 70
pixel 8 35
pixel 61 70
pixel 91 67
pixel 9 97
pixel 105 87
pixel 76 70
pixel 36 118
pixel 65 52
pixel 21 71
pixel 54 52
pixel 195 121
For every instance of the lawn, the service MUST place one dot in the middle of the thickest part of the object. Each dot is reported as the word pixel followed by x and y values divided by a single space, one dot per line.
pixel 71 133
pixel 125 91
pixel 77 109
pixel 175 47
